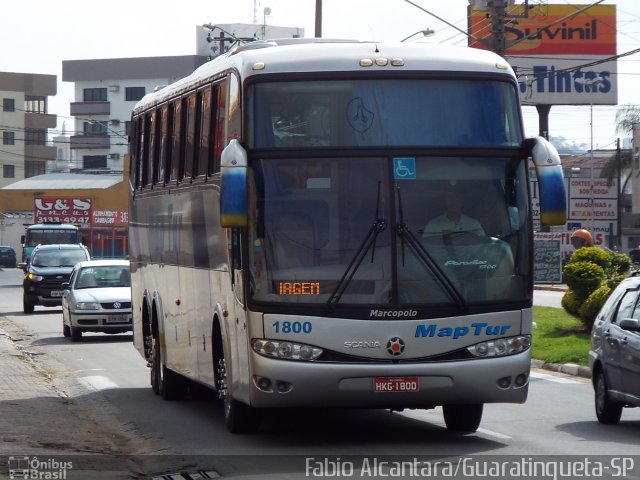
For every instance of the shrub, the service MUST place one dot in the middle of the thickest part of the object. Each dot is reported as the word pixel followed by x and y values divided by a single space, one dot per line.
pixel 570 303
pixel 620 264
pixel 583 277
pixel 592 305
pixel 594 255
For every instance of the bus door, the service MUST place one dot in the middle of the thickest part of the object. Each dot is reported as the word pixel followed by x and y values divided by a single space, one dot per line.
pixel 237 322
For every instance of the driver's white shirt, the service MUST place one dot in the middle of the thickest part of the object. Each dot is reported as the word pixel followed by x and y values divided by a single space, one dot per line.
pixel 443 224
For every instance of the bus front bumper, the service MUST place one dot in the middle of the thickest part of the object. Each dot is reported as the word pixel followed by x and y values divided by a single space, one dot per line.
pixel 279 383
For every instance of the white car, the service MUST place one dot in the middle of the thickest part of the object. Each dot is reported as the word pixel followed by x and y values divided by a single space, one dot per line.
pixel 97 299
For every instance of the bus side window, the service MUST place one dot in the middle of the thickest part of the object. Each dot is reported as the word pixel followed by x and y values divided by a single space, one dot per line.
pixel 154 153
pixel 162 145
pixel 190 140
pixel 176 147
pixel 167 136
pixel 205 132
pixel 220 131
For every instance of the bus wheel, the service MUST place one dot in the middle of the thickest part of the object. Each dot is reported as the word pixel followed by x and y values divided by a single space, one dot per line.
pixel 238 417
pixel 463 418
pixel 165 382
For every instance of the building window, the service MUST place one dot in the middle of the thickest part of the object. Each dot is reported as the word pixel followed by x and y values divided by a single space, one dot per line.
pixel 9 171
pixel 35 136
pixel 95 95
pixel 33 168
pixel 133 94
pixel 35 104
pixel 95 128
pixel 9 138
pixel 94 162
pixel 8 105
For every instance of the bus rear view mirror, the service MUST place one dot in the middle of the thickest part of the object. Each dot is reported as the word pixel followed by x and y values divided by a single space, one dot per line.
pixel 553 198
pixel 233 186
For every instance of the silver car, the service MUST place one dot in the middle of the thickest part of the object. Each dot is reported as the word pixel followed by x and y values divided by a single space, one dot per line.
pixel 97 299
pixel 614 357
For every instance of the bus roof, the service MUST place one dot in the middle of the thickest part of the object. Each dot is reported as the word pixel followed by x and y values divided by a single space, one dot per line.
pixel 306 55
pixel 52 226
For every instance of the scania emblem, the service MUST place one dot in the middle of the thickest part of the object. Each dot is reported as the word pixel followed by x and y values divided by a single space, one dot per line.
pixel 395 346
pixel 116 305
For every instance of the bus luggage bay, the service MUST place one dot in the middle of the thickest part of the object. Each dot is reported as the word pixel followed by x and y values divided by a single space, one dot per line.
pixel 286 241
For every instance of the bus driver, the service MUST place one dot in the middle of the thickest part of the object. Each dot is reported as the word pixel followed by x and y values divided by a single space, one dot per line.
pixel 453 220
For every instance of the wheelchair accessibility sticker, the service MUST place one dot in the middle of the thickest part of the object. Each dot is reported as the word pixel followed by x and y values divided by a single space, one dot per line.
pixel 404 168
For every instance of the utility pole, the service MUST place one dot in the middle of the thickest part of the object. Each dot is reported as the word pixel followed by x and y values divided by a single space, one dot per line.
pixel 497 15
pixel 619 204
pixel 318 33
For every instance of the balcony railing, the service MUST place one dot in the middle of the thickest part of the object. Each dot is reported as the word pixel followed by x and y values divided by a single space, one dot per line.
pixel 90 108
pixel 90 141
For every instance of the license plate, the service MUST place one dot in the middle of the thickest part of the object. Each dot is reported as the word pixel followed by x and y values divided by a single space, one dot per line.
pixel 57 293
pixel 395 384
pixel 117 319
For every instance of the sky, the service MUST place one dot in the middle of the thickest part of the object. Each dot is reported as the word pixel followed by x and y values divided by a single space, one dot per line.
pixel 37 35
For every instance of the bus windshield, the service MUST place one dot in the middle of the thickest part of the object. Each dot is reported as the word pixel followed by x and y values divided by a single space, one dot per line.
pixel 48 236
pixel 383 230
pixel 388 112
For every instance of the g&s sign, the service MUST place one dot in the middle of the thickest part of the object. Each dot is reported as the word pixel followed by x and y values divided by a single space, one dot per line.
pixel 62 210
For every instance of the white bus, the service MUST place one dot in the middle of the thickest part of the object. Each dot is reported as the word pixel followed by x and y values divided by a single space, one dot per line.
pixel 279 245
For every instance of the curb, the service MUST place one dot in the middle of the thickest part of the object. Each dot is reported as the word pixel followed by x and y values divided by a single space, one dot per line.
pixel 566 368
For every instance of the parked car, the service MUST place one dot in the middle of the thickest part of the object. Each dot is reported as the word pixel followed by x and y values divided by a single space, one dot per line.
pixel 97 298
pixel 614 357
pixel 48 268
pixel 7 257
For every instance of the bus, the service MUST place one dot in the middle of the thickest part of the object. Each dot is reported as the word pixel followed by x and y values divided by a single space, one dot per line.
pixel 47 234
pixel 279 249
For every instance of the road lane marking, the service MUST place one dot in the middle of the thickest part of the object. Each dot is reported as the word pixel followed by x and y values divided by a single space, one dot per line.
pixel 491 433
pixel 552 378
pixel 97 382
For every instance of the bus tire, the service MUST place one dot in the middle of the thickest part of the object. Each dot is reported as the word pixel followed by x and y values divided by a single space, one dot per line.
pixel 238 417
pixel 165 382
pixel 462 418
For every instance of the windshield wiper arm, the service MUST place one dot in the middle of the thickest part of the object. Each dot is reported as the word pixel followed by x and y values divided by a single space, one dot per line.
pixel 369 242
pixel 423 254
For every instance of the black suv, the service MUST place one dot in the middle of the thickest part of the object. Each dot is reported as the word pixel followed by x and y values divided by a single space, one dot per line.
pixel 48 268
pixel 7 256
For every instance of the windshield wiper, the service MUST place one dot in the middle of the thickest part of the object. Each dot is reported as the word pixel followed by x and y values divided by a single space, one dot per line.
pixel 369 242
pixel 408 237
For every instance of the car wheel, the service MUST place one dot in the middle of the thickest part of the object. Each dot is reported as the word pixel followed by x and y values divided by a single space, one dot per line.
pixel 462 418
pixel 165 382
pixel 27 304
pixel 66 331
pixel 608 411
pixel 76 334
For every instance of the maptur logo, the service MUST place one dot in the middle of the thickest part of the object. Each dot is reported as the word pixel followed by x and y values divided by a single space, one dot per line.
pixel 475 329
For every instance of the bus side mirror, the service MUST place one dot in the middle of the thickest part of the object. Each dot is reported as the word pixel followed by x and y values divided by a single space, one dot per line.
pixel 233 186
pixel 553 197
pixel 23 240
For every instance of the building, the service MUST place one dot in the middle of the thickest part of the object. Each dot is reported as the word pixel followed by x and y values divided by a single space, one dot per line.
pixel 24 121
pixel 97 204
pixel 105 93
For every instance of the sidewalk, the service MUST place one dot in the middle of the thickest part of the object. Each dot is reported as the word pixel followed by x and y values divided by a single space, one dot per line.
pixel 40 424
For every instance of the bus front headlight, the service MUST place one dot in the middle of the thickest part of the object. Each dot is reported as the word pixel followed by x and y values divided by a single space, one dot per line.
pixel 285 350
pixel 501 346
